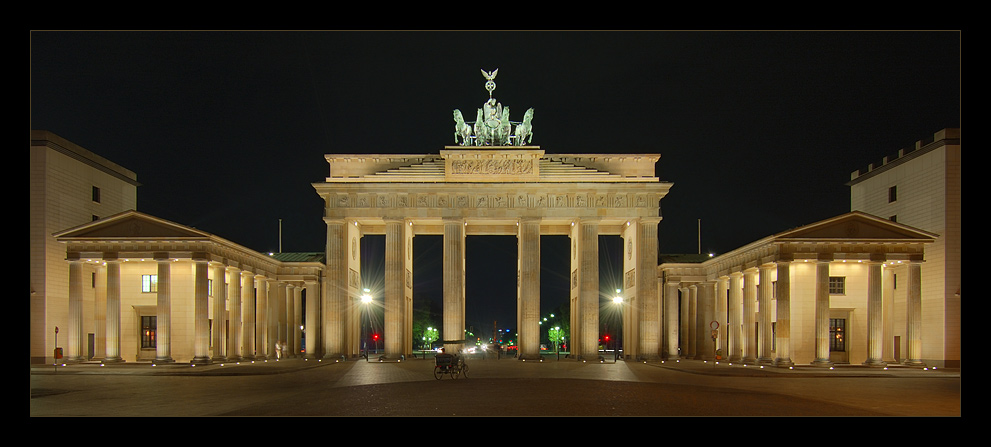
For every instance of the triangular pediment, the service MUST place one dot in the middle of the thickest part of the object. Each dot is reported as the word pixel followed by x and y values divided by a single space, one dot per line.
pixel 856 225
pixel 132 225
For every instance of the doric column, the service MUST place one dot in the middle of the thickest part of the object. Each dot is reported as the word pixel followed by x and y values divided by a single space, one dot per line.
pixel 297 320
pixel 734 336
pixel 292 325
pixel 335 299
pixel 313 312
pixel 722 287
pixel 113 311
pixel 693 321
pixel 649 324
pixel 454 282
pixel 749 340
pixel 288 309
pixel 913 304
pixel 706 315
pixel 684 324
pixel 277 323
pixel 248 303
pixel 163 319
pixel 395 287
pixel 588 292
pixel 765 295
pixel 261 318
pixel 201 310
pixel 671 319
pixel 875 322
pixel 234 326
pixel 219 313
pixel 74 346
pixel 528 263
pixel 783 327
pixel 822 312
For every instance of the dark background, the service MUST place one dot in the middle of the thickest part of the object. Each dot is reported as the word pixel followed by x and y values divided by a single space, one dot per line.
pixel 758 131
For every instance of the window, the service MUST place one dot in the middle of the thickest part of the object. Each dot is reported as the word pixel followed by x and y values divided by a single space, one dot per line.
pixel 149 325
pixel 837 335
pixel 96 194
pixel 837 285
pixel 149 283
pixel 893 218
pixel 892 194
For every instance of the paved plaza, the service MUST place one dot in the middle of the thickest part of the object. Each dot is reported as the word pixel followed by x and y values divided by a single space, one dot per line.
pixel 503 387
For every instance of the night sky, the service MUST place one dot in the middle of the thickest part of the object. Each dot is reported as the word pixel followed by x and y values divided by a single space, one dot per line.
pixel 758 131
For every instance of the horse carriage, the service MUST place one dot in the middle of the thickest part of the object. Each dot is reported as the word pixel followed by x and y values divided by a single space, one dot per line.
pixel 452 364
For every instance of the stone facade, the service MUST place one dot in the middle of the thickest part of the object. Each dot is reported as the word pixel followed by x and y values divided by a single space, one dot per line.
pixel 490 191
pixel 921 187
pixel 69 186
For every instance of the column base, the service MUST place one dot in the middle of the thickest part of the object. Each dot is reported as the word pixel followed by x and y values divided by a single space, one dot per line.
pixel 875 363
pixel 822 363
pixel 201 361
pixel 749 360
pixel 783 363
pixel 765 361
pixel 112 360
pixel 913 363
pixel 163 360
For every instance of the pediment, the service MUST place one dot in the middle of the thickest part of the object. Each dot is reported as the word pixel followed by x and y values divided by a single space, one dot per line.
pixel 856 226
pixel 132 225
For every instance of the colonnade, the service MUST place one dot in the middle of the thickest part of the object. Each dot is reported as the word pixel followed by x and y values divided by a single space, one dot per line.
pixel 740 303
pixel 342 318
pixel 251 312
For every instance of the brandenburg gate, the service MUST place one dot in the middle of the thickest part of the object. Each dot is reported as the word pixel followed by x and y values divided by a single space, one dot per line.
pixel 492 181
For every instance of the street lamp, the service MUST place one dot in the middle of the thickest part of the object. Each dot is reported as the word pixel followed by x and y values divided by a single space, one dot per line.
pixel 618 301
pixel 366 298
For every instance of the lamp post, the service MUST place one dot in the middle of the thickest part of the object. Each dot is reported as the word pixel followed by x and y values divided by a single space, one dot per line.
pixel 618 300
pixel 366 298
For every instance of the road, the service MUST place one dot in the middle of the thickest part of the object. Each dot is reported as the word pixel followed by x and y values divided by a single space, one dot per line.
pixel 506 387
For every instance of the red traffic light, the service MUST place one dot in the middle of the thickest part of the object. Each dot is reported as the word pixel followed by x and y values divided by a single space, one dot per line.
pixel 375 337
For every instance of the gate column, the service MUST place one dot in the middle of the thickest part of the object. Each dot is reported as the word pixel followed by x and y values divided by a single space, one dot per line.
pixel 454 283
pixel 588 292
pixel 529 289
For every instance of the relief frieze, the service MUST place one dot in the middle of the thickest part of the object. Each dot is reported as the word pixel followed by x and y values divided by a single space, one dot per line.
pixel 504 167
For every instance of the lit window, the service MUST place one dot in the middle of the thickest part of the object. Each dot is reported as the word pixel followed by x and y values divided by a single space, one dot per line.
pixel 837 285
pixel 149 283
pixel 149 325
pixel 837 334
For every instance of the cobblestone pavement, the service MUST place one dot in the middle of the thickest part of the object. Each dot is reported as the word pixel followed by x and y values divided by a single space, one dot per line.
pixel 506 387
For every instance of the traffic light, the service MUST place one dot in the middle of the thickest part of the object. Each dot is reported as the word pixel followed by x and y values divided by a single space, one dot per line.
pixel 375 337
